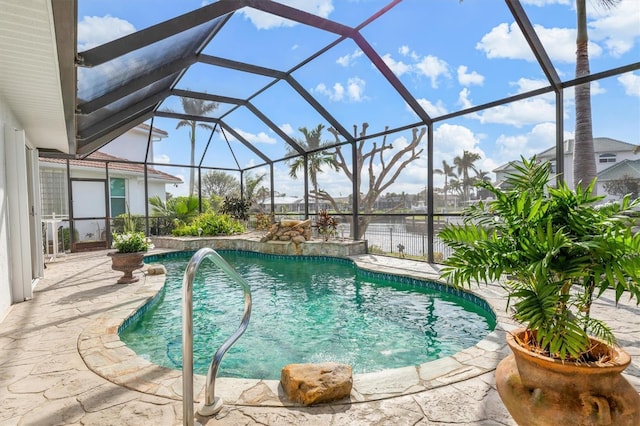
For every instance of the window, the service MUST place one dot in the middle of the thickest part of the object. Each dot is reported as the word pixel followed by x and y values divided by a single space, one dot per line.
pixel 607 158
pixel 117 193
pixel 53 192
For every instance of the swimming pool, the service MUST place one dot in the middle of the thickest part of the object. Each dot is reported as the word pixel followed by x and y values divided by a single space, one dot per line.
pixel 306 309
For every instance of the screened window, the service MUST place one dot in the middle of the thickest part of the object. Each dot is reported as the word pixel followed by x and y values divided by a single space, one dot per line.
pixel 53 192
pixel 607 158
pixel 117 193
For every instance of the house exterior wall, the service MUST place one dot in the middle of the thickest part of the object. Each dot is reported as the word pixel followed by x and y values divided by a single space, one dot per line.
pixel 6 119
pixel 131 145
pixel 16 271
pixel 134 192
pixel 620 155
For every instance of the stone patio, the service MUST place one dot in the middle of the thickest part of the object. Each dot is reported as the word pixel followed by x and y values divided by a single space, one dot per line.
pixel 61 362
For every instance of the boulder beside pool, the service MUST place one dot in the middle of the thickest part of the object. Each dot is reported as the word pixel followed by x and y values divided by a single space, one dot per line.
pixel 316 383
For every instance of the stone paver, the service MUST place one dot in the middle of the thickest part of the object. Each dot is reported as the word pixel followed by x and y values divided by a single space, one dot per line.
pixel 61 362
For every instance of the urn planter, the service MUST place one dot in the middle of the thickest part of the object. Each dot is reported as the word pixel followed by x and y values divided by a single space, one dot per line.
pixel 538 390
pixel 127 263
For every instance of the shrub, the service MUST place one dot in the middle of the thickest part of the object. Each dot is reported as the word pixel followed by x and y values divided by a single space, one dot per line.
pixel 236 208
pixel 131 242
pixel 210 224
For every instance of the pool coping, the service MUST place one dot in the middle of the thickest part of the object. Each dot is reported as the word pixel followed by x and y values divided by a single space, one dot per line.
pixel 106 355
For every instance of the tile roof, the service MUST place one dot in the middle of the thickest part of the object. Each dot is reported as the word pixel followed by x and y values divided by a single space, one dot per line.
pixel 97 160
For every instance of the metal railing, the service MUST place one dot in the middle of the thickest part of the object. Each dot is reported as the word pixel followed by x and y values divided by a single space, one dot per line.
pixel 212 404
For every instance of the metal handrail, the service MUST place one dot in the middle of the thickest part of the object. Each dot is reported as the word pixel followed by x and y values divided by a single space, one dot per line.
pixel 212 404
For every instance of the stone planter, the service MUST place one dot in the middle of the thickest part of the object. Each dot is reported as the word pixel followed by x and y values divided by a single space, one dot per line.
pixel 538 390
pixel 127 263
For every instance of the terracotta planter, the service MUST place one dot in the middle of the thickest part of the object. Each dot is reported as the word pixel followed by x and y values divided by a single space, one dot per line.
pixel 539 390
pixel 127 263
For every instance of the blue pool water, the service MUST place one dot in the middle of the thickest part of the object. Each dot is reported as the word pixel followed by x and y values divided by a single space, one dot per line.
pixel 306 309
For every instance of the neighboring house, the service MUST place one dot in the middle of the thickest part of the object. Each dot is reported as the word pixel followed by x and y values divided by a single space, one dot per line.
pixel 610 154
pixel 100 192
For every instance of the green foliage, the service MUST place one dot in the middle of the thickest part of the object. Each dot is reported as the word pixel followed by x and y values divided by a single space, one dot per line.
pixel 236 208
pixel 210 224
pixel 558 250
pixel 131 242
pixel 326 224
pixel 127 222
pixel 179 209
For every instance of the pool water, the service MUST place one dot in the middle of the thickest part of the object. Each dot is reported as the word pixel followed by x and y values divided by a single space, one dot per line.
pixel 305 310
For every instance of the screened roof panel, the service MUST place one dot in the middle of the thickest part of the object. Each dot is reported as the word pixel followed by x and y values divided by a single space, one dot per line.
pixel 412 61
pixel 227 152
pixel 353 90
pixel 611 32
pixel 256 132
pixel 285 107
pixel 180 104
pixel 120 71
pixel 275 42
pixel 451 63
pixel 134 101
pixel 202 77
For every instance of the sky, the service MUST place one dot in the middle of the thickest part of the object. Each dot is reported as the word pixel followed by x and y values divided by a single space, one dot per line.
pixel 450 55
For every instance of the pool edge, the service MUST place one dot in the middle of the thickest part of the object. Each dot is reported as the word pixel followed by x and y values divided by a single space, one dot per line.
pixel 105 354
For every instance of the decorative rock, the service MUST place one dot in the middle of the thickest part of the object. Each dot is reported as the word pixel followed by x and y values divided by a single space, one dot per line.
pixel 156 270
pixel 297 231
pixel 316 383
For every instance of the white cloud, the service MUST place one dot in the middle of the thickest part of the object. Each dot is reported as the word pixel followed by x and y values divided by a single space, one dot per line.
pixel 540 138
pixel 287 129
pixel 260 137
pixel 450 140
pixel 617 30
pixel 96 30
pixel 505 41
pixel 521 113
pixel 433 110
pixel 349 59
pixel 617 27
pixel 467 79
pixel 398 67
pixel 354 91
pixel 463 98
pixel 434 68
pixel 162 159
pixel 528 84
pixel 631 83
pixel 265 21
pixel 335 94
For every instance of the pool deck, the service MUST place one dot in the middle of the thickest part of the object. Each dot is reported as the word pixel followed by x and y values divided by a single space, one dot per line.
pixel 61 362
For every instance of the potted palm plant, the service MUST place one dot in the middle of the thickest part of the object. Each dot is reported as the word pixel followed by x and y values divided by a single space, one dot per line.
pixel 554 250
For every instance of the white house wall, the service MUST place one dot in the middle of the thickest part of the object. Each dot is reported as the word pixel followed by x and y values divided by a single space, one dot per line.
pixel 131 145
pixel 15 270
pixel 6 119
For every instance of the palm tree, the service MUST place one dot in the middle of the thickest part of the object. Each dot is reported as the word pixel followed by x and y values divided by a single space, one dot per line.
pixel 456 186
pixel 252 187
pixel 482 176
pixel 448 171
pixel 463 165
pixel 316 159
pixel 197 108
pixel 584 162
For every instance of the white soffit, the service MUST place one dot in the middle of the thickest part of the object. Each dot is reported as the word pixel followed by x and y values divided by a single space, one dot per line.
pixel 29 73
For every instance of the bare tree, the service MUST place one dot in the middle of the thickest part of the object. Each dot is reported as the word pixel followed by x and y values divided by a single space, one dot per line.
pixel 389 170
